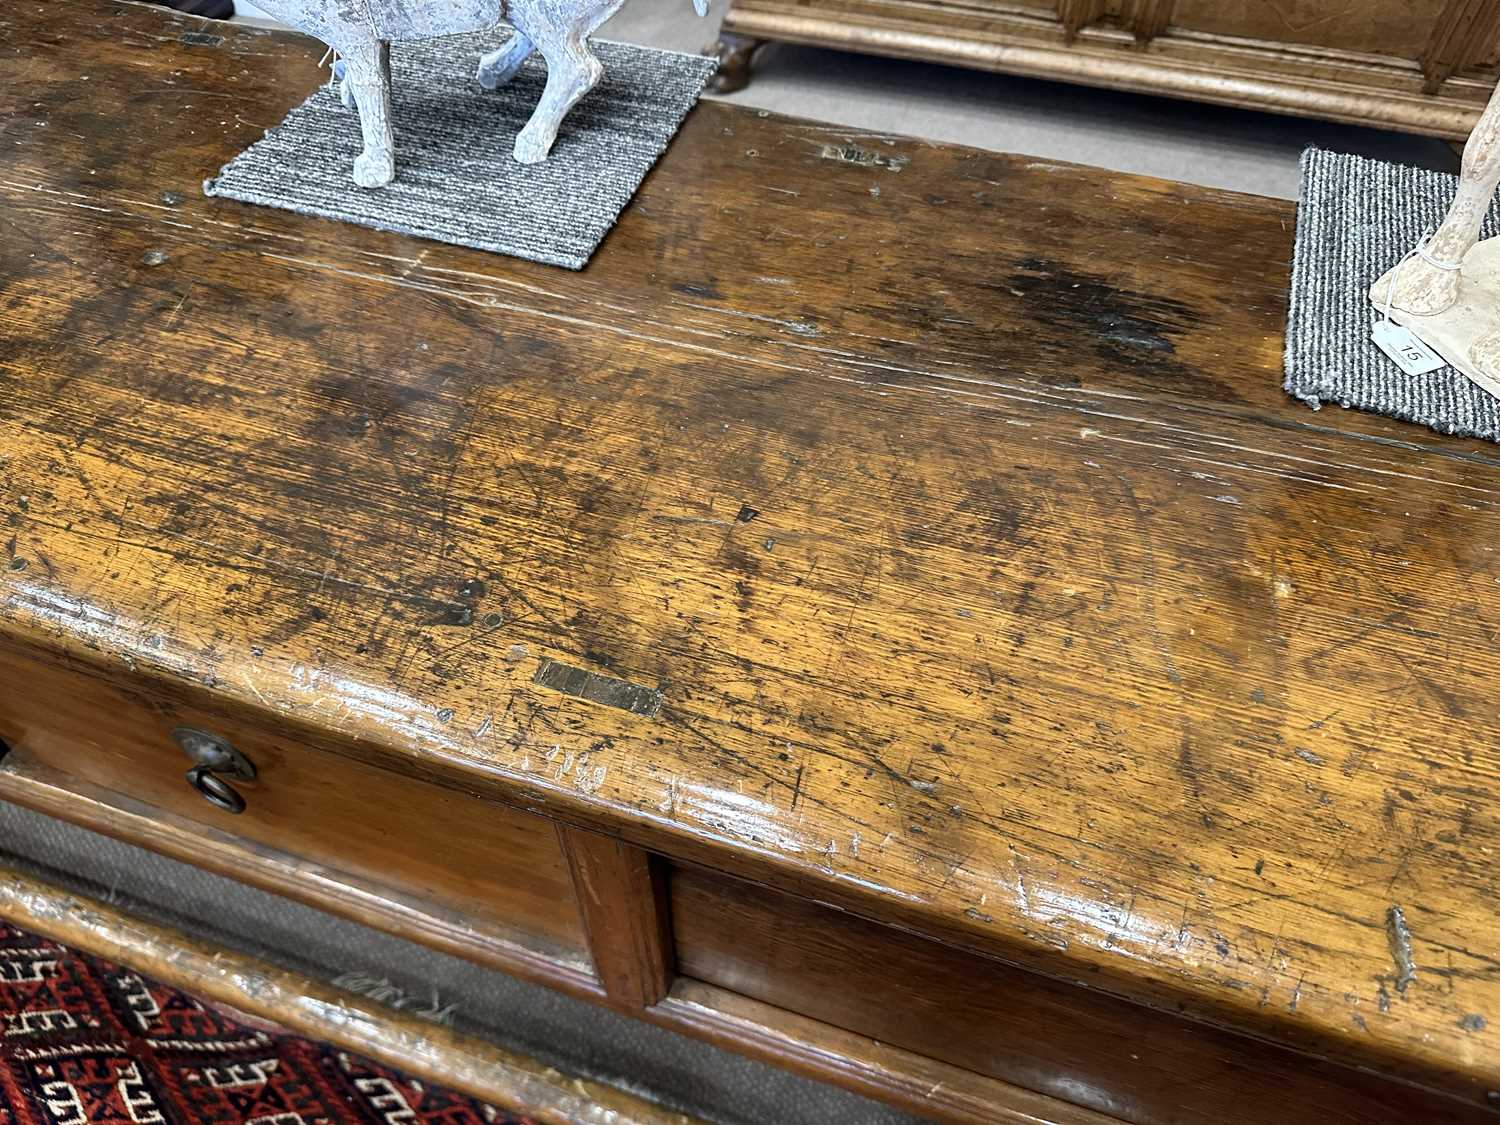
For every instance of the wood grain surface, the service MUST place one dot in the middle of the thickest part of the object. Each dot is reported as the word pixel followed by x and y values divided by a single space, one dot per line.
pixel 946 504
pixel 622 894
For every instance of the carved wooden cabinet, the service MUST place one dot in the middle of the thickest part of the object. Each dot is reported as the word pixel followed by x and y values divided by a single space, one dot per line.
pixel 1423 66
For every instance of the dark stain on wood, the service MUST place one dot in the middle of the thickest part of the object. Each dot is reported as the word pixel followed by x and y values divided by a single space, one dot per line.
pixel 1119 323
pixel 595 688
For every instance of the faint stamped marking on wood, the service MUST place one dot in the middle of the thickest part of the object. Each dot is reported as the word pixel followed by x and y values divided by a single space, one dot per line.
pixel 865 157
pixel 200 39
pixel 592 686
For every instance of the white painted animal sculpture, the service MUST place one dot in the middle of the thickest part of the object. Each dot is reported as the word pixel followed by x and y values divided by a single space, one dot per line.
pixel 1449 295
pixel 362 31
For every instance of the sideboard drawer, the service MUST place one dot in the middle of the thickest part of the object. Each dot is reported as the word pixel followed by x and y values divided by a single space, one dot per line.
pixel 497 867
pixel 1057 1038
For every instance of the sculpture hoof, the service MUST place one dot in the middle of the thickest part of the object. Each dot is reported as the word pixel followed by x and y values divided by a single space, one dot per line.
pixel 346 94
pixel 499 67
pixel 1423 289
pixel 1485 355
pixel 493 78
pixel 531 149
pixel 373 171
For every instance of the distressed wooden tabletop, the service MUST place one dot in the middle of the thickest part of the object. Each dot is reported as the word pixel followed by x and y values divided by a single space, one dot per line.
pixel 917 527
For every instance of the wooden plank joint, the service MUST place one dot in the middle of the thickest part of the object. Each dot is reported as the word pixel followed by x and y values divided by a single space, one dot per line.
pixel 1078 14
pixel 622 894
pixel 1466 33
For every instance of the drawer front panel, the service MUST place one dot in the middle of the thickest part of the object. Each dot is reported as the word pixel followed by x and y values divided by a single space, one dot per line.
pixel 1055 1038
pixel 499 867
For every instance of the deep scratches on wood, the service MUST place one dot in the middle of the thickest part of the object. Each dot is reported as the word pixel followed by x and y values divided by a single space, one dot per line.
pixel 1052 606
pixel 1398 933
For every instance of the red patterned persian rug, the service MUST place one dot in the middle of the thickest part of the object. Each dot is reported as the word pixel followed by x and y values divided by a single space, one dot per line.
pixel 86 1042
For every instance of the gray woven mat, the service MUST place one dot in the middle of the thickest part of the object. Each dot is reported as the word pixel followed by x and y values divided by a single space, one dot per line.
pixel 1356 219
pixel 456 180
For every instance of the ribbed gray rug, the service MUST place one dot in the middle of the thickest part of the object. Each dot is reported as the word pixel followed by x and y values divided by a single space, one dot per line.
pixel 456 180
pixel 1357 217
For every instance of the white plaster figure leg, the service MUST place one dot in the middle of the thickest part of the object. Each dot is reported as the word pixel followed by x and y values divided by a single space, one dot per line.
pixel 572 69
pixel 499 67
pixel 593 16
pixel 1449 296
pixel 1485 355
pixel 361 31
pixel 368 74
pixel 1423 288
pixel 1482 153
pixel 346 91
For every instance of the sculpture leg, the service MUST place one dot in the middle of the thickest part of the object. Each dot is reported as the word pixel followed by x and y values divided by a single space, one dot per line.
pixel 572 69
pixel 1424 288
pixel 499 67
pixel 1485 355
pixel 346 91
pixel 369 76
pixel 595 17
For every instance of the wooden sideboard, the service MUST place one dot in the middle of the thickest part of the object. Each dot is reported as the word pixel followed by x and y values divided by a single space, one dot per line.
pixel 883 616
pixel 1422 66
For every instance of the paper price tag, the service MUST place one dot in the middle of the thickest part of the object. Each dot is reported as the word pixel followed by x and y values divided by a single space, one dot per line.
pixel 1404 349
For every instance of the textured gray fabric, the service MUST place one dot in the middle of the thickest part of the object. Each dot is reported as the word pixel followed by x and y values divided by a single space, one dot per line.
pixel 1356 219
pixel 456 179
pixel 573 1035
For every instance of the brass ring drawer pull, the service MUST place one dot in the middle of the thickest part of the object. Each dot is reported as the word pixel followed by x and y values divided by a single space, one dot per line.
pixel 215 756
